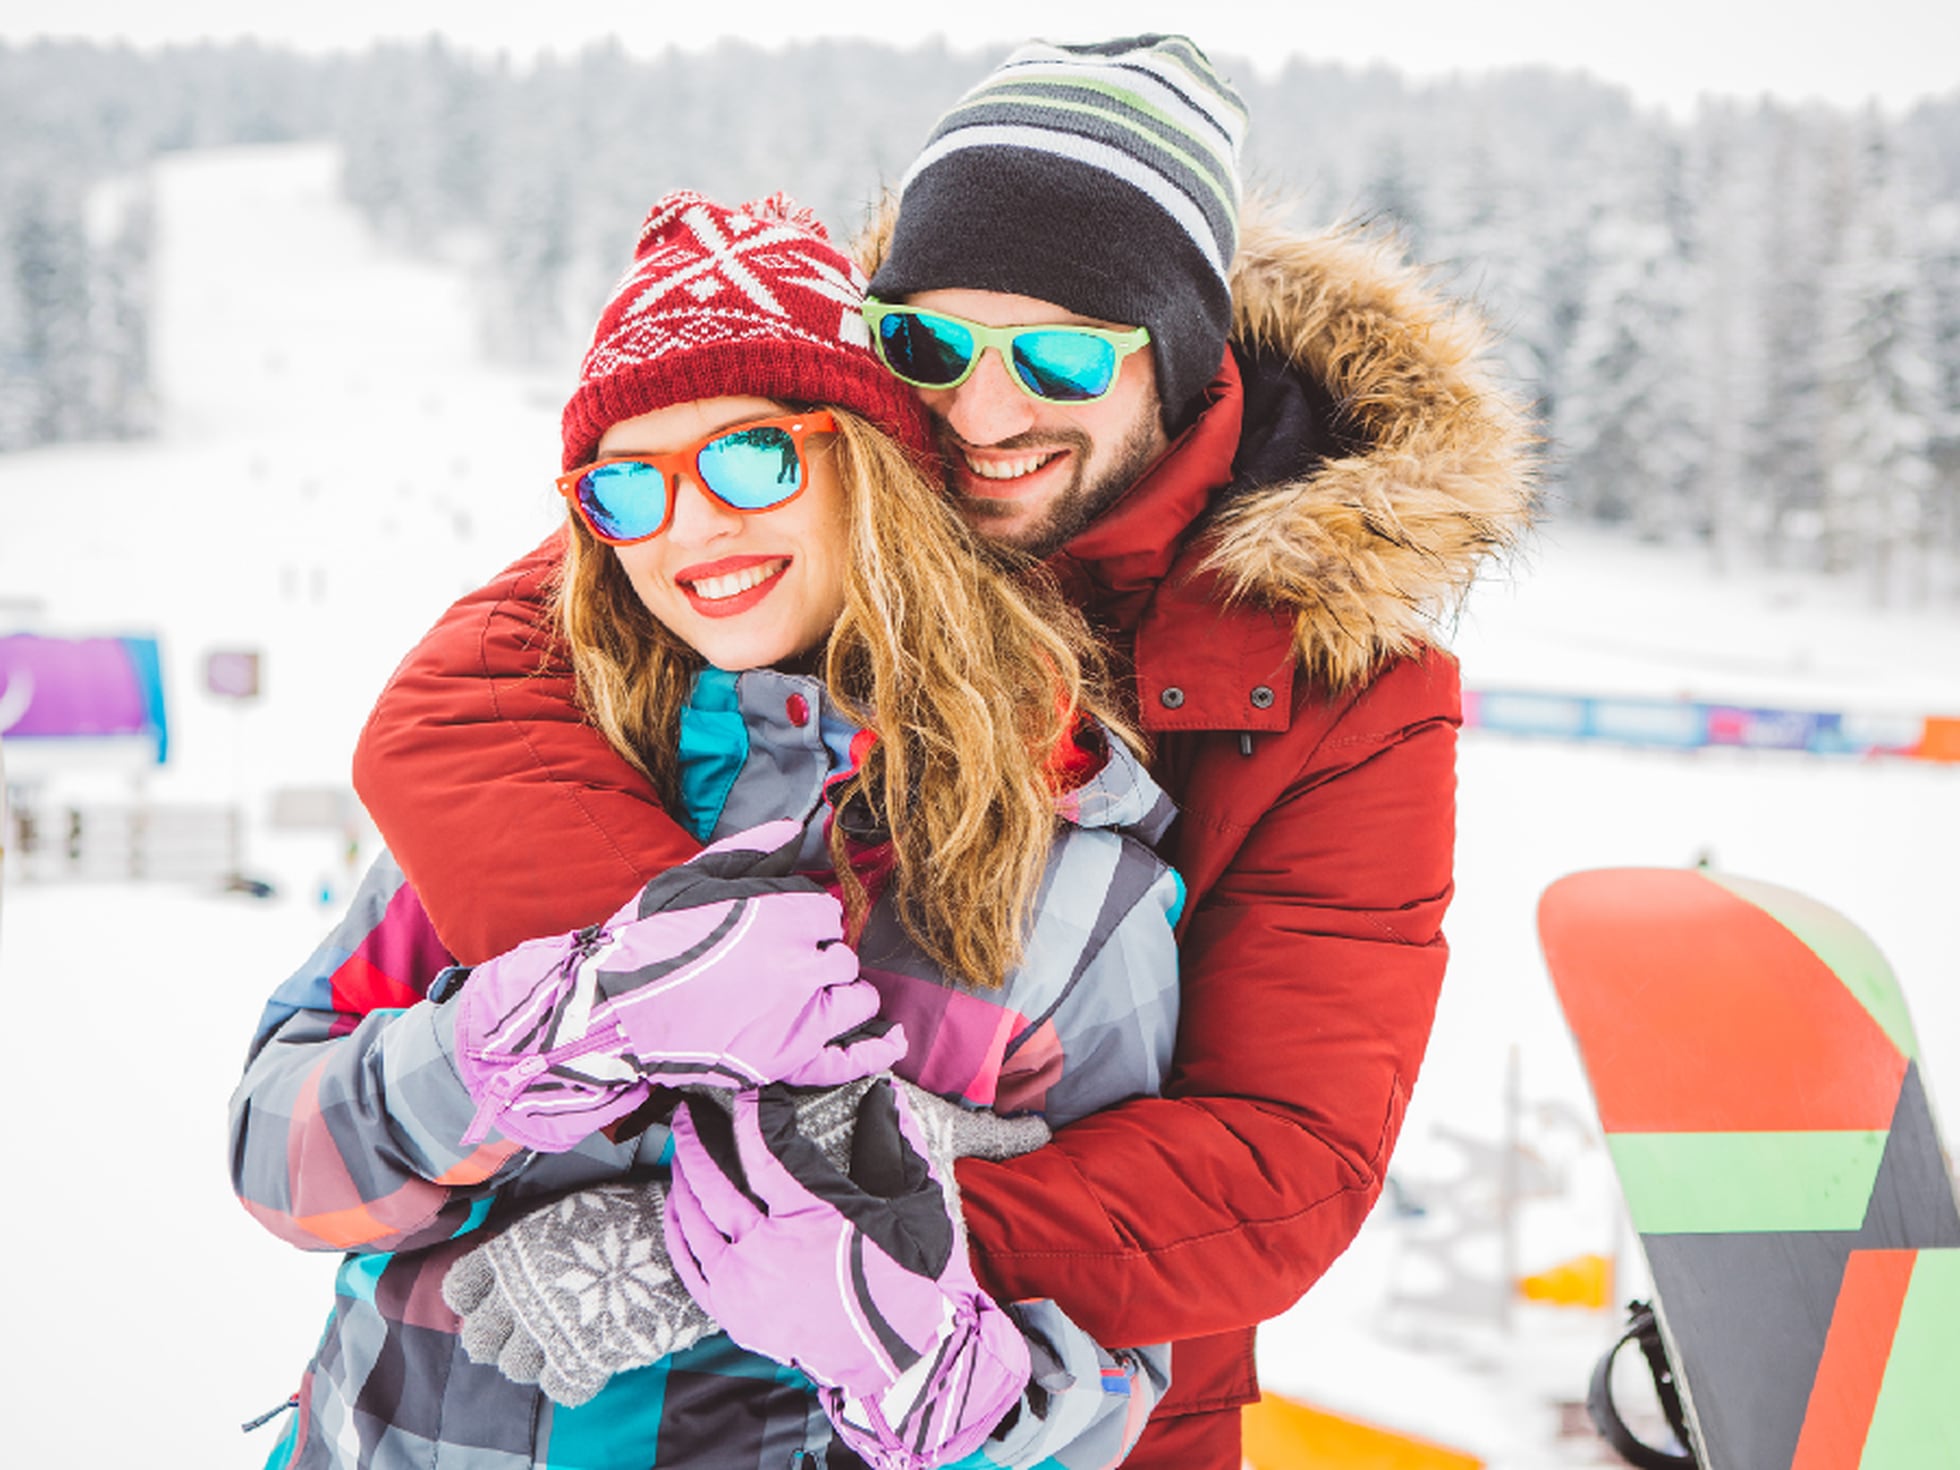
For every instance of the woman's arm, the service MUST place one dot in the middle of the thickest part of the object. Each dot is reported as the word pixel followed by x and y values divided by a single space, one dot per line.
pixel 346 1127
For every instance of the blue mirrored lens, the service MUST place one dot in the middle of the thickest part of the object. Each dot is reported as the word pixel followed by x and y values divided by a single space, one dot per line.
pixel 925 349
pixel 752 469
pixel 1065 366
pixel 624 501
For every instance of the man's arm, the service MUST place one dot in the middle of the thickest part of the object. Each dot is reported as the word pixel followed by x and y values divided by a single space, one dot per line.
pixel 1310 975
pixel 510 814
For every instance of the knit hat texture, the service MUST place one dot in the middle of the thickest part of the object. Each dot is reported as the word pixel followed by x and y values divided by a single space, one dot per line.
pixel 751 301
pixel 1103 178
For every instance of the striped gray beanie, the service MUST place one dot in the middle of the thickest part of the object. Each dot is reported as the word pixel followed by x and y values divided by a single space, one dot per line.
pixel 1103 178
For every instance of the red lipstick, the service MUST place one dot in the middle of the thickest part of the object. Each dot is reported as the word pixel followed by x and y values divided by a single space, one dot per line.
pixel 741 602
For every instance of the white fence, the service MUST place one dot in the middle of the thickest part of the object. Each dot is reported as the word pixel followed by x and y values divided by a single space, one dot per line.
pixel 120 842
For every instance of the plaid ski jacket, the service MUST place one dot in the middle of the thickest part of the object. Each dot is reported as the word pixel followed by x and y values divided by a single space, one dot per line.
pixel 346 1124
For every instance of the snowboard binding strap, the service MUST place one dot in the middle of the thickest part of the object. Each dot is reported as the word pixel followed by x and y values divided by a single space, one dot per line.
pixel 1644 1330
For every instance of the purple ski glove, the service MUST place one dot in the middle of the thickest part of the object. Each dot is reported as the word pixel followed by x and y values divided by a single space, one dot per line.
pixel 726 971
pixel 861 1279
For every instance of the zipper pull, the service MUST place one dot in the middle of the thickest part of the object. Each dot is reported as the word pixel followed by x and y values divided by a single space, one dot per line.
pixel 500 1092
pixel 268 1416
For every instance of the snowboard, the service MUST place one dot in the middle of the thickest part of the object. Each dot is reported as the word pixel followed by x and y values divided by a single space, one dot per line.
pixel 1759 1086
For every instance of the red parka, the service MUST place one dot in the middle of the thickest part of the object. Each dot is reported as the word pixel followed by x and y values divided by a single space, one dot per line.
pixel 1274 580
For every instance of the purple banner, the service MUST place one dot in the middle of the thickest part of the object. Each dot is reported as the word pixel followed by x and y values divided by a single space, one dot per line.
pixel 56 687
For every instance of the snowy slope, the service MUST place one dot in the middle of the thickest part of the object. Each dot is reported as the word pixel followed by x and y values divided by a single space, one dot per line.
pixel 334 467
pixel 336 464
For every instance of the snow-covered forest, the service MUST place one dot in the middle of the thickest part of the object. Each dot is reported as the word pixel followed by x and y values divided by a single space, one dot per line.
pixel 1742 329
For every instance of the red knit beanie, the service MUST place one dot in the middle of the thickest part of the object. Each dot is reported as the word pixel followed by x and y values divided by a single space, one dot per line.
pixel 749 302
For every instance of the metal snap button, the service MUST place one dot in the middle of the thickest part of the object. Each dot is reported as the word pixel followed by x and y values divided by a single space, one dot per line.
pixel 1173 698
pixel 1262 697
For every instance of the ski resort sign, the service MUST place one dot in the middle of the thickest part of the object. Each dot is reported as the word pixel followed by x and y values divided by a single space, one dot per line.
pixel 80 698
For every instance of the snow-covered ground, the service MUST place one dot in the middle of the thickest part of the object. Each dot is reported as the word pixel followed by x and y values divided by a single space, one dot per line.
pixel 336 464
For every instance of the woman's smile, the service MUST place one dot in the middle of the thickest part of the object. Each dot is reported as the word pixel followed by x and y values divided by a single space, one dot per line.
pixel 734 584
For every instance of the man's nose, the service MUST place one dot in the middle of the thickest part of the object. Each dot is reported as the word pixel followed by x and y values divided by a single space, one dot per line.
pixel 989 406
pixel 698 516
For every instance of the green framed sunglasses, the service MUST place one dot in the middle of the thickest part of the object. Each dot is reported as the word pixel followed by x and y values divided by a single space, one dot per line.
pixel 1063 363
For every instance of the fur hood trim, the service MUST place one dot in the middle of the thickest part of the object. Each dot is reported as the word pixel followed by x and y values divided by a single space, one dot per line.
pixel 1373 550
pixel 1376 549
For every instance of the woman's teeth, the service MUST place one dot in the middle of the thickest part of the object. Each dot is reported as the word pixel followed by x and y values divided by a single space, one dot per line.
pixel 713 589
pixel 1007 469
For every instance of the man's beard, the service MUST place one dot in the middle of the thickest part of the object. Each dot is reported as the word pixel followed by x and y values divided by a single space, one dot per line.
pixel 1080 502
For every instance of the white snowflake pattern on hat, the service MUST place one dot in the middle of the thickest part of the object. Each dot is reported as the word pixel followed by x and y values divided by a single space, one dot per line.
pixel 708 284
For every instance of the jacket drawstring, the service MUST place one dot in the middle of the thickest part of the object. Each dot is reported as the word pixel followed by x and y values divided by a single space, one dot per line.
pixel 269 1415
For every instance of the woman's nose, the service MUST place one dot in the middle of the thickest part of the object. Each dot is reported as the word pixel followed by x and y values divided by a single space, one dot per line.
pixel 698 516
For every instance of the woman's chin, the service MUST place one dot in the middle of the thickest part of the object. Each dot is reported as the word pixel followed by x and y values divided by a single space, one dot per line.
pixel 739 655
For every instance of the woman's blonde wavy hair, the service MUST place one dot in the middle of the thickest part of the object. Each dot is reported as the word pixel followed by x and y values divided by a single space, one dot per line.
pixel 960 656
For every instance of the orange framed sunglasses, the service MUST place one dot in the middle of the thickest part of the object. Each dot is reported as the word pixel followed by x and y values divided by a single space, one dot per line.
pixel 751 467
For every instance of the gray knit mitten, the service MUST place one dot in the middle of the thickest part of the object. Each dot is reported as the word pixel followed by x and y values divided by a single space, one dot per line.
pixel 581 1288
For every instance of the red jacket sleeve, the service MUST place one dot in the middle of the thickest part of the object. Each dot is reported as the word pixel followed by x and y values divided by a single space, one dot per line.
pixel 477 749
pixel 1310 971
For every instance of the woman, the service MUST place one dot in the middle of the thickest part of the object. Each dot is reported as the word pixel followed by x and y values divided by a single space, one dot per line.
pixel 774 617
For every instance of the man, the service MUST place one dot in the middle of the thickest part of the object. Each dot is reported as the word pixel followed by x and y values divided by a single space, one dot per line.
pixel 1265 533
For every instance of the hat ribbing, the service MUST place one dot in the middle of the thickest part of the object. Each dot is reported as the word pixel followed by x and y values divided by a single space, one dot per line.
pixel 1103 178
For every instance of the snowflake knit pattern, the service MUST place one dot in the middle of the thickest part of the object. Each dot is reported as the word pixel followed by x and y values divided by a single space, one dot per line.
pixel 753 301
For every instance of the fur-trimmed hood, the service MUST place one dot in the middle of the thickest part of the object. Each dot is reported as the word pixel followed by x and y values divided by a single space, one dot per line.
pixel 1374 546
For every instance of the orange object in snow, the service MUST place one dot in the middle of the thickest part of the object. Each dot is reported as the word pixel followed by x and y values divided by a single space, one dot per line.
pixel 1583 1281
pixel 1285 1434
pixel 1940 740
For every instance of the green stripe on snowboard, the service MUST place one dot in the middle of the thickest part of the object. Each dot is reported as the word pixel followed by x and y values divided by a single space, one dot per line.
pixel 1719 1183
pixel 1840 944
pixel 1917 1420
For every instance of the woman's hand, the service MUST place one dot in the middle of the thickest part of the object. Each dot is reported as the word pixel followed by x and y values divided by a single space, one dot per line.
pixel 726 971
pixel 860 1279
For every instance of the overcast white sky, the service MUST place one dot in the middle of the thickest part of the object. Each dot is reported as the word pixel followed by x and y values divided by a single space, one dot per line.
pixel 1666 51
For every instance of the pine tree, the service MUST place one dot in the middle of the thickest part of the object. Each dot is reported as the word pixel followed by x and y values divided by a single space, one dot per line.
pixel 1942 283
pixel 1631 439
pixel 1391 196
pixel 122 229
pixel 1883 388
pixel 1719 210
pixel 47 254
pixel 1786 457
